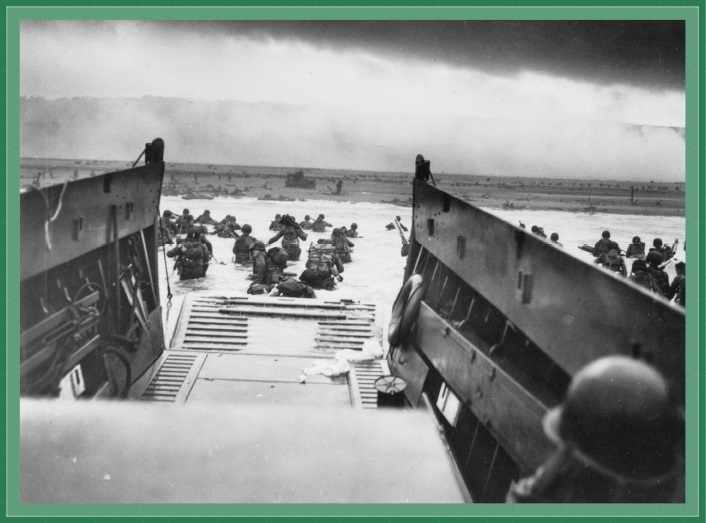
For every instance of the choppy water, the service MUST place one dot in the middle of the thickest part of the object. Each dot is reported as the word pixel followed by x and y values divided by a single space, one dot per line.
pixel 377 269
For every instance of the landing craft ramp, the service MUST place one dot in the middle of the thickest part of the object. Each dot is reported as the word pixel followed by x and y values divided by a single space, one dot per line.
pixel 235 348
pixel 231 420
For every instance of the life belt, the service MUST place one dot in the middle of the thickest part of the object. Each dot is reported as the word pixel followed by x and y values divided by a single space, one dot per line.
pixel 406 309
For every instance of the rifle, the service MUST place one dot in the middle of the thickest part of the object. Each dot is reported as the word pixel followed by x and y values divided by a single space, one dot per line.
pixel 287 220
pixel 661 267
pixel 405 242
pixel 674 246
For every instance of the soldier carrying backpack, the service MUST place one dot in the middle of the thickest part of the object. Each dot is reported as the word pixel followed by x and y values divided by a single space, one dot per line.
pixel 342 245
pixel 290 234
pixel 641 276
pixel 192 256
pixel 323 267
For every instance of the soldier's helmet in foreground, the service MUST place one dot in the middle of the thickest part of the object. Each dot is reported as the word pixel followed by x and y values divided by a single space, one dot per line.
pixel 618 419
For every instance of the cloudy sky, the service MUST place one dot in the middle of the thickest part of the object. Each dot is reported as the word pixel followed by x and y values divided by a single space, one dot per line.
pixel 513 98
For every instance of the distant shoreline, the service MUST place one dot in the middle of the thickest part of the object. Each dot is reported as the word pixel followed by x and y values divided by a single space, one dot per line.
pixel 510 193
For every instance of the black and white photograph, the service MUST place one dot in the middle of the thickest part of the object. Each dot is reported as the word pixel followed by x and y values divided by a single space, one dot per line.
pixel 347 261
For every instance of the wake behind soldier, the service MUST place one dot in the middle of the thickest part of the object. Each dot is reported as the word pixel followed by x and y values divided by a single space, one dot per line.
pixel 617 438
pixel 290 234
pixel 192 256
pixel 242 245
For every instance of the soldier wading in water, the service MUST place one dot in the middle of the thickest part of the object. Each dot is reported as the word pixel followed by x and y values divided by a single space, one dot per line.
pixel 291 234
pixel 192 256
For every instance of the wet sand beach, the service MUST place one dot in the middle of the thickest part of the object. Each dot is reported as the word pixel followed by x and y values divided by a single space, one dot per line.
pixel 652 198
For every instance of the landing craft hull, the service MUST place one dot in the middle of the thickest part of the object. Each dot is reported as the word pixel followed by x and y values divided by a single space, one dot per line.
pixel 89 305
pixel 255 396
pixel 506 320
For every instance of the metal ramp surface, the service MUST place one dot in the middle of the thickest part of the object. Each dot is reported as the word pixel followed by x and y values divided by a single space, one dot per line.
pixel 255 349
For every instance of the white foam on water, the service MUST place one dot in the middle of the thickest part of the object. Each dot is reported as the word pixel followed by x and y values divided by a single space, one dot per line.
pixel 377 269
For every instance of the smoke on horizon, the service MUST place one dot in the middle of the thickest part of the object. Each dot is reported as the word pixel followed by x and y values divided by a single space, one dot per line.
pixel 307 136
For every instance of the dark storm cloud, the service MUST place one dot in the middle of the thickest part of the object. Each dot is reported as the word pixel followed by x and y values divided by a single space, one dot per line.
pixel 649 54
pixel 560 99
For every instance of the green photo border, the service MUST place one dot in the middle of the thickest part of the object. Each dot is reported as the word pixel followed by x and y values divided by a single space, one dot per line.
pixel 691 11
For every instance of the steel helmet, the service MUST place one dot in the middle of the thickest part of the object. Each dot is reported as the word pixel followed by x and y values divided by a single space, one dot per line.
pixel 335 231
pixel 207 211
pixel 654 258
pixel 639 265
pixel 186 211
pixel 554 236
pixel 194 232
pixel 657 242
pixel 321 216
pixel 636 240
pixel 354 225
pixel 307 217
pixel 246 228
pixel 617 418
pixel 606 234
pixel 258 245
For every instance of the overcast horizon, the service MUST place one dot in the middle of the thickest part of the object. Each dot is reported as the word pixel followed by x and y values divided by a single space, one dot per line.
pixel 548 98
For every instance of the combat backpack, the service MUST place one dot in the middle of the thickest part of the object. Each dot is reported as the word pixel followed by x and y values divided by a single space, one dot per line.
pixel 192 255
pixel 321 259
pixel 295 289
pixel 648 281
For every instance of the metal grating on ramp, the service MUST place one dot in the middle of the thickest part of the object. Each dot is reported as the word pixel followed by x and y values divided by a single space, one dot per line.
pixel 207 329
pixel 175 377
pixel 344 334
pixel 231 324
pixel 362 378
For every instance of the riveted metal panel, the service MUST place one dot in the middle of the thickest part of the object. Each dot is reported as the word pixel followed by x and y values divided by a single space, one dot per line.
pixel 508 409
pixel 83 215
pixel 570 309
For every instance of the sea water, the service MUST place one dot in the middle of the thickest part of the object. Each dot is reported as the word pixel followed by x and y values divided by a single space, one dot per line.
pixel 377 269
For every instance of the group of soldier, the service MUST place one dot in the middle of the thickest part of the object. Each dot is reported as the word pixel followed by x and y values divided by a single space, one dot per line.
pixel 323 268
pixel 647 268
